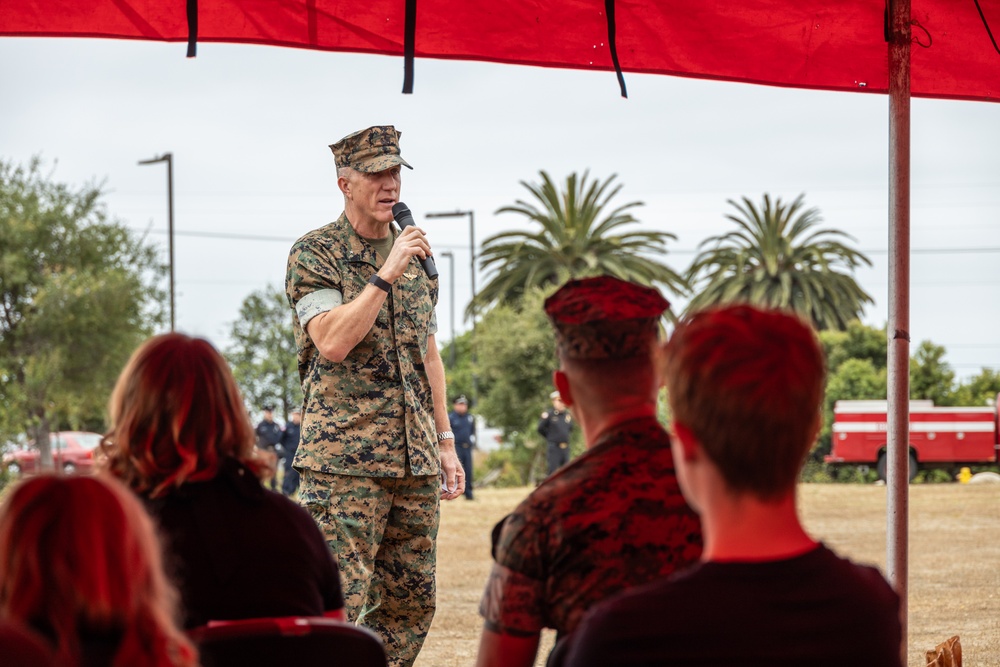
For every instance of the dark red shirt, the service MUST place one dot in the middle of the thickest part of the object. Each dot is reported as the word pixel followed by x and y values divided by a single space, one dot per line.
pixel 611 519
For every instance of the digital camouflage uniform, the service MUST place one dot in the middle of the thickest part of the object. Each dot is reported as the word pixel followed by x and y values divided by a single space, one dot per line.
pixel 367 455
pixel 612 518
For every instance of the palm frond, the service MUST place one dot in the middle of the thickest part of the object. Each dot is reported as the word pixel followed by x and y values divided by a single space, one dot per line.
pixel 777 258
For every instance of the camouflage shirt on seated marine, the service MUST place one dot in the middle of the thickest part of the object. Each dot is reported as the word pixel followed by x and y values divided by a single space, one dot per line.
pixel 371 414
pixel 611 519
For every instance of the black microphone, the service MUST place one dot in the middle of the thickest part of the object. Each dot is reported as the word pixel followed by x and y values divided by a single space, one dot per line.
pixel 404 219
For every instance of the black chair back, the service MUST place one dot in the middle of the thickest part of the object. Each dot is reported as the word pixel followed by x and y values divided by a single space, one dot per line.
pixel 300 641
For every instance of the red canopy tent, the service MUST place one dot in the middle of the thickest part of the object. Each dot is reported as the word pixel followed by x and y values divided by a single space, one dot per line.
pixel 805 44
pixel 850 45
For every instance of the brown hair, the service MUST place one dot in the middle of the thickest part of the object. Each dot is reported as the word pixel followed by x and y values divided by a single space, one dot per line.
pixel 79 555
pixel 176 414
pixel 748 384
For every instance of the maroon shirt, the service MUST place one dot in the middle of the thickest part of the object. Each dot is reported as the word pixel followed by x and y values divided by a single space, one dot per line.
pixel 611 519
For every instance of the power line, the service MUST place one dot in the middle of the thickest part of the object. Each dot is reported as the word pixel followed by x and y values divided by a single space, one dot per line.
pixel 676 251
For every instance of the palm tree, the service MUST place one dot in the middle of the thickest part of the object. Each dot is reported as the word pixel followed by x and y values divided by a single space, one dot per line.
pixel 575 241
pixel 776 259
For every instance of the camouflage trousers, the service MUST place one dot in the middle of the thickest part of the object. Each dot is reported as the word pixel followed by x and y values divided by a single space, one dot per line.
pixel 383 532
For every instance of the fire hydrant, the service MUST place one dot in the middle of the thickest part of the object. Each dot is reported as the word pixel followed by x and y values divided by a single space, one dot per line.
pixel 964 475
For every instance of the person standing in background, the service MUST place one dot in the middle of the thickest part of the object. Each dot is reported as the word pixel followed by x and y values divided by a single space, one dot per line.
pixel 463 425
pixel 268 436
pixel 290 442
pixel 556 426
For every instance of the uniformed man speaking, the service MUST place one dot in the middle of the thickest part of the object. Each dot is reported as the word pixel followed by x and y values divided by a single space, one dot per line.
pixel 556 425
pixel 375 446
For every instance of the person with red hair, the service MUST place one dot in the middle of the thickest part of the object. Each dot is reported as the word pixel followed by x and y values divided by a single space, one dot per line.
pixel 180 438
pixel 745 389
pixel 80 565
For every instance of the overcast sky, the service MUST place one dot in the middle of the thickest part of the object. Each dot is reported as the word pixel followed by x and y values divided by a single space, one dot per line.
pixel 249 128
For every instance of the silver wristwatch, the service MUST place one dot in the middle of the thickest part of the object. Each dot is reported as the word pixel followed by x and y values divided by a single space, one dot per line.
pixel 445 435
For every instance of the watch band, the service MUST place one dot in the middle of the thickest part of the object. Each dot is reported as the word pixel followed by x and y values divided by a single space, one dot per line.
pixel 445 435
pixel 377 281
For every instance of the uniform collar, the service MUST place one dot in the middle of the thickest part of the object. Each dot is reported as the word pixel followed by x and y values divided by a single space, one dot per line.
pixel 360 249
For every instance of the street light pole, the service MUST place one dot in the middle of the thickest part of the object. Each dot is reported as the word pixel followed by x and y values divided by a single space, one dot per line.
pixel 451 286
pixel 472 249
pixel 169 159
pixel 472 244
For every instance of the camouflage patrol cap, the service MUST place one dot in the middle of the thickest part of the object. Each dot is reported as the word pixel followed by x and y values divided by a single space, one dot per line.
pixel 370 150
pixel 605 318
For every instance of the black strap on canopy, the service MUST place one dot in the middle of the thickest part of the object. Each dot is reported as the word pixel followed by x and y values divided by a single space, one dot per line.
pixel 409 39
pixel 987 26
pixel 192 17
pixel 609 11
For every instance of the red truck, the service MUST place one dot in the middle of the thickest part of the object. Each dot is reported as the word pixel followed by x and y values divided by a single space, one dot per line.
pixel 940 437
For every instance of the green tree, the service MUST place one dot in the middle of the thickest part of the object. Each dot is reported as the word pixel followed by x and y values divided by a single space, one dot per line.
pixel 458 378
pixel 980 390
pixel 858 341
pixel 78 293
pixel 856 370
pixel 579 236
pixel 262 353
pixel 930 376
pixel 853 379
pixel 777 259
pixel 515 374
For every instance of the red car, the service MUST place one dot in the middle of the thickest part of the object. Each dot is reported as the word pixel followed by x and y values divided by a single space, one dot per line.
pixel 71 451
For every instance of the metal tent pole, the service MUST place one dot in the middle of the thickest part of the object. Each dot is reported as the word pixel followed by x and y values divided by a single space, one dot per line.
pixel 898 455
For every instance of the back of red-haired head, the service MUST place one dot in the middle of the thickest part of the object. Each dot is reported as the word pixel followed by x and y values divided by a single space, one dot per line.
pixel 176 414
pixel 78 556
pixel 748 383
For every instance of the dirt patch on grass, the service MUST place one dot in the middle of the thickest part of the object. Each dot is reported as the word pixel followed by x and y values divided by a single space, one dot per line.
pixel 954 563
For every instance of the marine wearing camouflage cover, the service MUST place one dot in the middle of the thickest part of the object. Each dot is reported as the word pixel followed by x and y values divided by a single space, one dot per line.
pixel 368 455
pixel 611 519
pixel 372 150
pixel 371 414
pixel 604 317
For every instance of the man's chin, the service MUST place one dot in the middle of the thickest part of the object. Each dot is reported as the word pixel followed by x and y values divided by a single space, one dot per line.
pixel 383 214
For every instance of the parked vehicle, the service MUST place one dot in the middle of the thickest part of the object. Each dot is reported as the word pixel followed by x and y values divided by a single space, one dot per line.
pixel 940 437
pixel 71 451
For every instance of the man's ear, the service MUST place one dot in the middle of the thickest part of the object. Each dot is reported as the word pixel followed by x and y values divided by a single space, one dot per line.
pixel 561 383
pixel 690 446
pixel 344 185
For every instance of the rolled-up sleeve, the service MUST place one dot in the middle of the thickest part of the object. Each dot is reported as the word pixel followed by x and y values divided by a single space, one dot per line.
pixel 314 303
pixel 313 282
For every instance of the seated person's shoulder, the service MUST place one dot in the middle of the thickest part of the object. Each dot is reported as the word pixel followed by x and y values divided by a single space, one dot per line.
pixel 864 582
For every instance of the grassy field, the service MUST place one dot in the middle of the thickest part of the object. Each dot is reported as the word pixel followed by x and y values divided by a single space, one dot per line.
pixel 954 563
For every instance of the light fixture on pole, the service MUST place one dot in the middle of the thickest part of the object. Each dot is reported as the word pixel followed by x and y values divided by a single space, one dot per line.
pixel 169 159
pixel 472 243
pixel 451 286
pixel 472 264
